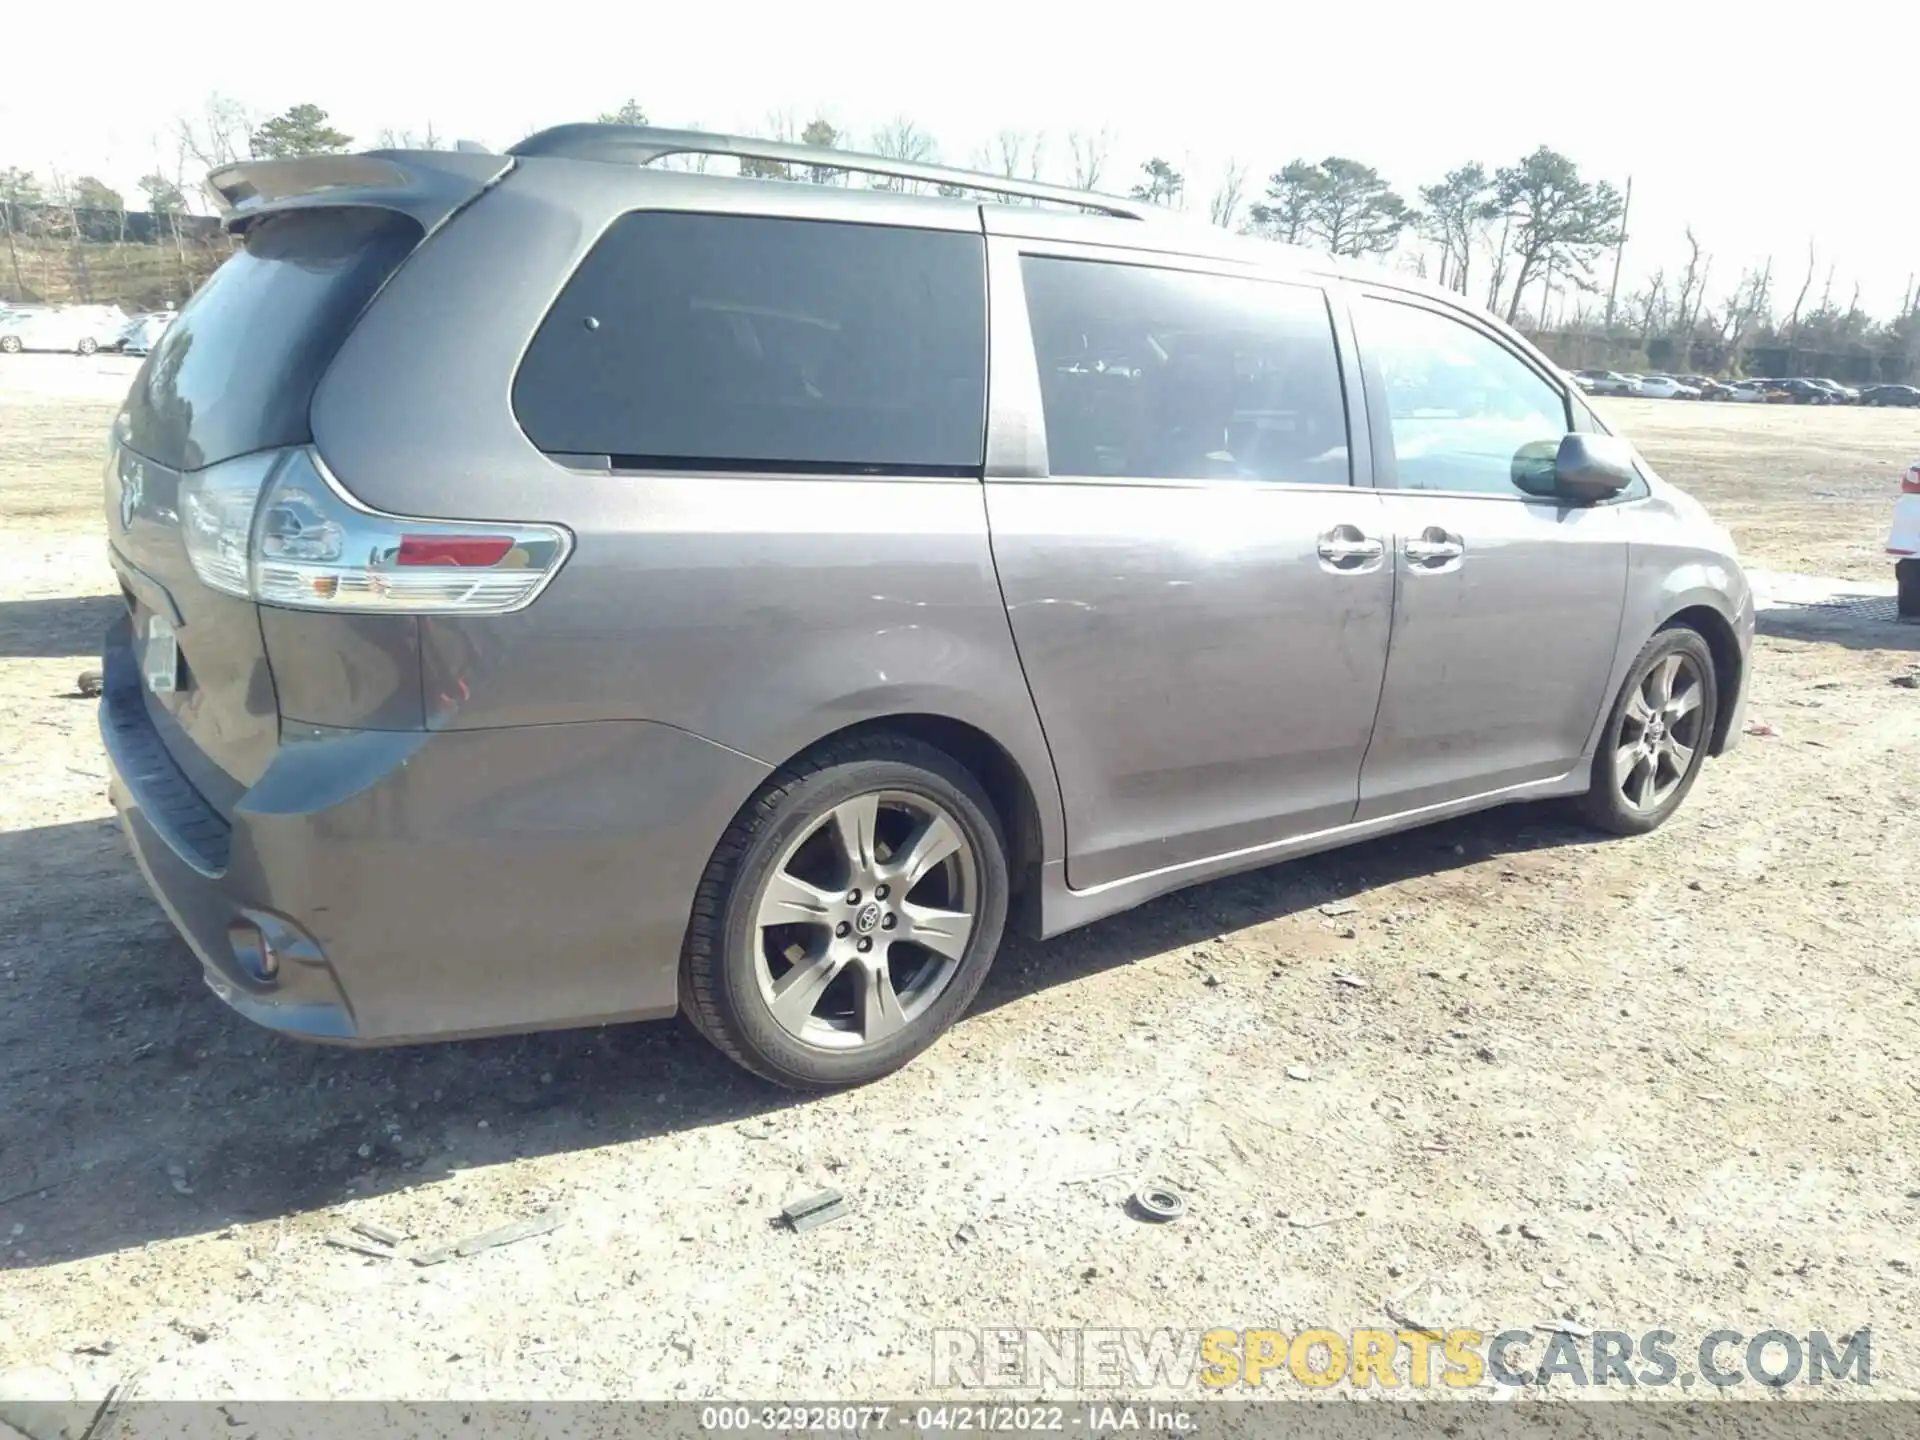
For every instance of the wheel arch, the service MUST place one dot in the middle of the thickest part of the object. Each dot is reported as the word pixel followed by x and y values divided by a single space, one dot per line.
pixel 1728 662
pixel 1015 801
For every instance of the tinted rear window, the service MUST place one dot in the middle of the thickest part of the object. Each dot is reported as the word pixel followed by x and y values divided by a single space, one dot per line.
pixel 1162 373
pixel 714 340
pixel 236 371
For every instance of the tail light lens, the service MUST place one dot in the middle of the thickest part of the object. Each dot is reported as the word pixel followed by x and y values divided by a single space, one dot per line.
pixel 278 529
pixel 1910 482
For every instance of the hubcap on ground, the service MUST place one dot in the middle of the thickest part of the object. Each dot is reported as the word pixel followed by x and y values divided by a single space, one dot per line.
pixel 1659 732
pixel 863 922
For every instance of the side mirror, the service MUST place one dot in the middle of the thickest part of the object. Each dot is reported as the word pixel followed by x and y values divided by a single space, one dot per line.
pixel 1590 468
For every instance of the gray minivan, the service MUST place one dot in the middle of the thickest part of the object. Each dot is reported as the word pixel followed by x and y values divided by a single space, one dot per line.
pixel 562 590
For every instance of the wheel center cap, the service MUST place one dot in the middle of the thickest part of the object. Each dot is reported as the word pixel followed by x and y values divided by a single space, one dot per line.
pixel 1656 730
pixel 868 920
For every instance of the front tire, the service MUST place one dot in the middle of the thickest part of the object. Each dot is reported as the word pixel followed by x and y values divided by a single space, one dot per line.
pixel 9 344
pixel 88 345
pixel 1656 736
pixel 849 914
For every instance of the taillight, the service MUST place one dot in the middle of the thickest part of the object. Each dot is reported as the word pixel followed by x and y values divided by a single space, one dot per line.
pixel 1910 482
pixel 278 529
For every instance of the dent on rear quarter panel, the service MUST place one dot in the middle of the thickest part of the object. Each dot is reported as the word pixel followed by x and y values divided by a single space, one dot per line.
pixel 759 613
pixel 465 882
pixel 350 671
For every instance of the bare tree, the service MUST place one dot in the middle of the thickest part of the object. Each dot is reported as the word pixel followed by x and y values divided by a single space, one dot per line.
pixel 782 126
pixel 1690 279
pixel 1793 322
pixel 901 139
pixel 428 139
pixel 1751 305
pixel 1498 251
pixel 1224 206
pixel 219 135
pixel 1089 153
pixel 1652 306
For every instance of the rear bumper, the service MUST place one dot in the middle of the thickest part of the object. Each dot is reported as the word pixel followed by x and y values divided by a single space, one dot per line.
pixel 415 885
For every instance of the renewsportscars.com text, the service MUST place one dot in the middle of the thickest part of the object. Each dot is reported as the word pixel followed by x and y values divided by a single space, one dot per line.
pixel 1227 1361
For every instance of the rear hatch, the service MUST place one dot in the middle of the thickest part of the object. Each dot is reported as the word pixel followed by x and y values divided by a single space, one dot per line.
pixel 232 376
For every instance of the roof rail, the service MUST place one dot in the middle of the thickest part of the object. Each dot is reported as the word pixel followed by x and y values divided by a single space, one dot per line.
pixel 643 144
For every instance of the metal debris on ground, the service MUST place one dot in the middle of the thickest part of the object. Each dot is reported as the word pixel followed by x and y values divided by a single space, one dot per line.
pixel 964 1236
pixel 379 1234
pixel 1339 907
pixel 491 1239
pixel 811 1211
pixel 1910 680
pixel 90 683
pixel 1352 982
pixel 1299 1072
pixel 1157 1203
pixel 359 1247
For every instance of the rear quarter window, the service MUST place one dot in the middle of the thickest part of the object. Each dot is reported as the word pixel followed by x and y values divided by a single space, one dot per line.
pixel 716 341
pixel 237 370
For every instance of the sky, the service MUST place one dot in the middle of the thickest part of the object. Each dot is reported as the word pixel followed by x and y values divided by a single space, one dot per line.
pixel 1765 137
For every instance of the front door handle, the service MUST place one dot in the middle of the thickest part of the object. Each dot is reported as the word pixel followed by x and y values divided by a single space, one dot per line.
pixel 1434 547
pixel 1346 547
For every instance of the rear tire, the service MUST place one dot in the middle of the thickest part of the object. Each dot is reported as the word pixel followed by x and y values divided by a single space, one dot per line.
pixel 1906 575
pixel 849 914
pixel 88 345
pixel 1656 736
pixel 9 344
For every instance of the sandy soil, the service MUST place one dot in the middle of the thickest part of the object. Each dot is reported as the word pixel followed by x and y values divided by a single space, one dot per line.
pixel 1664 1082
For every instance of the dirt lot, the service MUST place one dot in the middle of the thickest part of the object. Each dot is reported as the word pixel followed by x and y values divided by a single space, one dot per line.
pixel 1666 1082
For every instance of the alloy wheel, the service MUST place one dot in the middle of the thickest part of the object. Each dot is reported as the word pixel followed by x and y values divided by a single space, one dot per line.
pixel 863 922
pixel 1659 732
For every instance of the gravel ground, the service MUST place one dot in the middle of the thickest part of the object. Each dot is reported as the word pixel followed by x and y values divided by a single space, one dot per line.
pixel 1661 1082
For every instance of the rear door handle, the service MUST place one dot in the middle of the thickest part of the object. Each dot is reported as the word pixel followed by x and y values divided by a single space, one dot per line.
pixel 1434 547
pixel 1346 547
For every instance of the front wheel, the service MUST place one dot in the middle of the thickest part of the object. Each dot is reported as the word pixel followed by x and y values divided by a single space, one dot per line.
pixel 10 344
pixel 1656 736
pixel 849 914
pixel 88 345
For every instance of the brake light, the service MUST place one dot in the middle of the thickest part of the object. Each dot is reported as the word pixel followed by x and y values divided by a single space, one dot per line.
pixel 1910 482
pixel 278 529
pixel 452 549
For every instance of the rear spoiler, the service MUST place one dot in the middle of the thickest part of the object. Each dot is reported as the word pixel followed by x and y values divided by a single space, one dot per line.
pixel 428 185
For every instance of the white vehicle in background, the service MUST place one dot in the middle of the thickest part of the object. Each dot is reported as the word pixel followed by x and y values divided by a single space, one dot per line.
pixel 1904 544
pixel 143 332
pixel 1665 387
pixel 81 329
pixel 1745 392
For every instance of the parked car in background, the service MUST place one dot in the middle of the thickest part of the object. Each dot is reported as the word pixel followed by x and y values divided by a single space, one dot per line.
pixel 1665 387
pixel 1605 382
pixel 896 579
pixel 1843 394
pixel 82 329
pixel 1904 544
pixel 143 331
pixel 1890 395
pixel 1800 392
pixel 1745 392
pixel 1715 390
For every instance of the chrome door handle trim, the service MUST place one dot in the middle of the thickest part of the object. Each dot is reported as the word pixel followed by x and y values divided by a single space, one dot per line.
pixel 1433 551
pixel 1338 550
